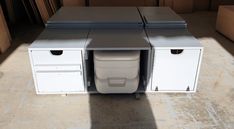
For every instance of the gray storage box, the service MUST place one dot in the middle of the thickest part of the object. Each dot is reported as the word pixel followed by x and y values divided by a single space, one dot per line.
pixel 116 71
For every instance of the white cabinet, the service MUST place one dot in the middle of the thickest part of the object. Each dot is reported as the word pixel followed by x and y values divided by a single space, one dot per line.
pixel 175 69
pixel 176 60
pixel 59 72
pixel 57 61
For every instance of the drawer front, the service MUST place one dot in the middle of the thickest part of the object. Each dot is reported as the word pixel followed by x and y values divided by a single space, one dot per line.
pixel 56 57
pixel 175 71
pixel 70 81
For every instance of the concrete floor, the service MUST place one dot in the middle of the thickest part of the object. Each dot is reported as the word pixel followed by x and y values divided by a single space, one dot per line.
pixel 210 108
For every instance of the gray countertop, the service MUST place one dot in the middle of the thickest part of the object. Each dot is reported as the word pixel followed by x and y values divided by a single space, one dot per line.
pixel 117 39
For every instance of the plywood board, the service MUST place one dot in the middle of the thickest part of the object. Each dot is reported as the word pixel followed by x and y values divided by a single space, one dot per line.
pixel 41 5
pixel 225 20
pixel 10 10
pixel 183 6
pixel 5 38
pixel 73 2
pixel 49 10
pixel 35 11
pixel 56 5
pixel 52 6
pixel 27 11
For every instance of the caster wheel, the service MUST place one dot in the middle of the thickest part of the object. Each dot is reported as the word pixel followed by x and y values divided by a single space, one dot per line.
pixel 137 96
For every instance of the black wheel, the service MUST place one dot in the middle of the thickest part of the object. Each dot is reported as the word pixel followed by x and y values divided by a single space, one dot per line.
pixel 137 96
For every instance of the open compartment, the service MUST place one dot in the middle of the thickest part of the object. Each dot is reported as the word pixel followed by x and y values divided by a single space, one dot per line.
pixel 136 78
pixel 124 46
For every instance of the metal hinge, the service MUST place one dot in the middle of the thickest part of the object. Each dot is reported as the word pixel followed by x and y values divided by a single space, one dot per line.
pixel 156 89
pixel 188 89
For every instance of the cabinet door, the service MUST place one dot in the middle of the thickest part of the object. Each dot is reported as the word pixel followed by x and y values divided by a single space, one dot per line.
pixel 59 81
pixel 175 71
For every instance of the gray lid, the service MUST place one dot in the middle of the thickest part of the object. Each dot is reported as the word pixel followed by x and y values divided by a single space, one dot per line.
pixel 60 38
pixel 116 55
pixel 96 15
pixel 117 39
pixel 160 16
pixel 168 38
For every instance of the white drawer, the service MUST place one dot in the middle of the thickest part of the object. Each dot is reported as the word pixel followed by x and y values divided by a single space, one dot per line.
pixel 56 57
pixel 175 72
pixel 58 68
pixel 59 82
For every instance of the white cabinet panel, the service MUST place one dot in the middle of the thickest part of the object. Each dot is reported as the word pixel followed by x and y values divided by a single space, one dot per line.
pixel 60 81
pixel 56 57
pixel 175 70
pixel 58 68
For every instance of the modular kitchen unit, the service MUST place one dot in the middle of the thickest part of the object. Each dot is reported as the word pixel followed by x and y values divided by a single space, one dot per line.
pixel 115 50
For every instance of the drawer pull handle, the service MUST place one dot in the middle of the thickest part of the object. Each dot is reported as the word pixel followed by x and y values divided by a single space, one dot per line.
pixel 56 52
pixel 116 82
pixel 176 51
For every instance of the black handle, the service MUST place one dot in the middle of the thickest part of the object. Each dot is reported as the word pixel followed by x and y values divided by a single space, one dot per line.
pixel 176 51
pixel 56 52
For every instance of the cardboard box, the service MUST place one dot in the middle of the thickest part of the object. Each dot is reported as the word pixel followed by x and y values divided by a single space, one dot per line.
pixel 201 4
pixel 168 3
pixel 73 3
pixel 5 38
pixel 161 3
pixel 43 10
pixel 225 20
pixel 183 6
pixel 151 2
pixel 122 2
pixel 214 4
pixel 179 6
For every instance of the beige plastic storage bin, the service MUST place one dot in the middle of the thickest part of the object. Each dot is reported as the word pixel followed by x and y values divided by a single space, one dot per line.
pixel 116 71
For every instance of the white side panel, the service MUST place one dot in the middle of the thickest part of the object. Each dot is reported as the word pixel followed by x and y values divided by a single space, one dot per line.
pixel 58 68
pixel 198 69
pixel 175 72
pixel 60 81
pixel 47 58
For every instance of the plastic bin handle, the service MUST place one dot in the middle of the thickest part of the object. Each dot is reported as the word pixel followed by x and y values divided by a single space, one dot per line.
pixel 56 52
pixel 117 82
pixel 176 51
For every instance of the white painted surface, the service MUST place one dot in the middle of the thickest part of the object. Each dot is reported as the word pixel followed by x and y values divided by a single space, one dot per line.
pixel 175 72
pixel 58 68
pixel 47 58
pixel 60 81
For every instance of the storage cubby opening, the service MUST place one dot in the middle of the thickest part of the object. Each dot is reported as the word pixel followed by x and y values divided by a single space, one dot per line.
pixel 90 72
pixel 143 70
